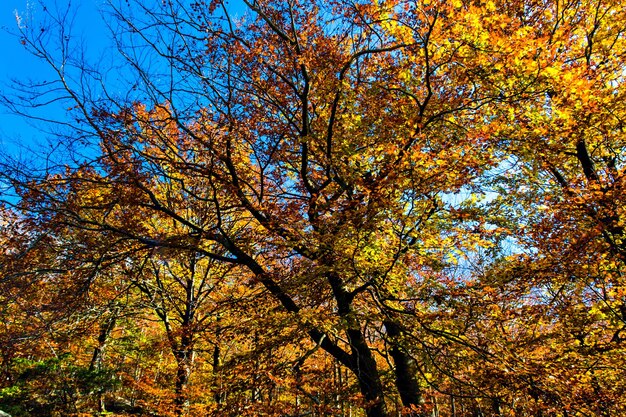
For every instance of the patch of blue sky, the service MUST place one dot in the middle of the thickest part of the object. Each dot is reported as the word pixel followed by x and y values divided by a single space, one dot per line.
pixel 483 195
pixel 84 32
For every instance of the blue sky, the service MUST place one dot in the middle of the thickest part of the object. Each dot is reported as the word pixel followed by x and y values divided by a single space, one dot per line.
pixel 17 63
pixel 88 28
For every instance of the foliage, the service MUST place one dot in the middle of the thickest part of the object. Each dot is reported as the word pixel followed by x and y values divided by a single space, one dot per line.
pixel 336 208
pixel 53 387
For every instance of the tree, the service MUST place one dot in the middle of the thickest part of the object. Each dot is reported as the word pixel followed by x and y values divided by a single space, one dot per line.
pixel 338 152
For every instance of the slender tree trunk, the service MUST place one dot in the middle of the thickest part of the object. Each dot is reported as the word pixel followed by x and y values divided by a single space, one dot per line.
pixel 105 330
pixel 98 353
pixel 452 407
pixel 217 396
pixel 184 363
pixel 183 371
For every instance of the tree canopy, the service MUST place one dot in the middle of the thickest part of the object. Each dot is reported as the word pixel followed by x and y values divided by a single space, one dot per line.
pixel 294 208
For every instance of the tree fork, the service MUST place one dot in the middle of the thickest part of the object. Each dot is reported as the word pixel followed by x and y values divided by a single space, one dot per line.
pixel 363 363
pixel 405 369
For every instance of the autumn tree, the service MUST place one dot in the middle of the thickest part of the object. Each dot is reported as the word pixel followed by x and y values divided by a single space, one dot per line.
pixel 431 191
pixel 568 173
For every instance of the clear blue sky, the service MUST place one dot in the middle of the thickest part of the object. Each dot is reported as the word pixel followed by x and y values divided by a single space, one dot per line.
pixel 17 63
pixel 88 28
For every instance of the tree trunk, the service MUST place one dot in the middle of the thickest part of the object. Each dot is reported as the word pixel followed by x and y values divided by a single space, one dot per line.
pixel 184 362
pixel 183 371
pixel 366 372
pixel 363 363
pixel 405 370
pixel 98 353
pixel 218 395
pixel 105 330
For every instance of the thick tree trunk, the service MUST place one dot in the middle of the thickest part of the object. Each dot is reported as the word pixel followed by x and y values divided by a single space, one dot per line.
pixel 405 369
pixel 363 363
pixel 367 375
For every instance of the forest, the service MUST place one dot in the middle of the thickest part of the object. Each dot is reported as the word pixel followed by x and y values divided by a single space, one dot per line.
pixel 355 208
